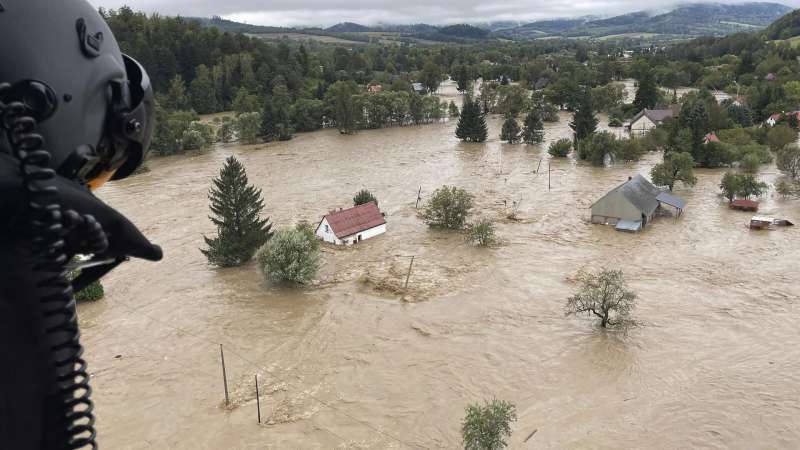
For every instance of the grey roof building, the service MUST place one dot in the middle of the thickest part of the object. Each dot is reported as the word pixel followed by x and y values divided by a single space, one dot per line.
pixel 632 204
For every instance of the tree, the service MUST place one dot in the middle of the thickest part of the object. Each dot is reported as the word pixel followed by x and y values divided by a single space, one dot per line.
pixel 225 130
pixel 202 91
pixel 749 163
pixel 533 128
pixel 306 114
pixel 471 124
pixel 749 186
pixel 245 102
pixel 677 166
pixel 647 94
pixel 275 120
pixel 448 208
pixel 481 233
pixel 604 295
pixel 788 160
pixel 786 188
pixel 596 146
pixel 462 78
pixel 584 122
pixel 486 427
pixel 431 76
pixel 341 101
pixel 247 127
pixel 730 185
pixel 91 293
pixel 363 197
pixel 560 148
pixel 236 208
pixel 176 98
pixel 291 255
pixel 453 109
pixel 510 131
pixel 780 136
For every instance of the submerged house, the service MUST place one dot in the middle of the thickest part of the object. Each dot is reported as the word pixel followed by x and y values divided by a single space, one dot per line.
pixel 647 119
pixel 351 226
pixel 632 205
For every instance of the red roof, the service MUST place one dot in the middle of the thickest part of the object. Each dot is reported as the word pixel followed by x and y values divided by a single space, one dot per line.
pixel 354 220
pixel 711 137
pixel 776 117
pixel 744 203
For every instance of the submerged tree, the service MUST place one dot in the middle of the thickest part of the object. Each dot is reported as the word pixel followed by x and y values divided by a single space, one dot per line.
pixel 448 207
pixel 363 197
pixel 236 207
pixel 481 233
pixel 472 123
pixel 453 109
pixel 510 131
pixel 291 255
pixel 533 128
pixel 584 122
pixel 676 167
pixel 788 160
pixel 604 295
pixel 487 426
pixel 560 148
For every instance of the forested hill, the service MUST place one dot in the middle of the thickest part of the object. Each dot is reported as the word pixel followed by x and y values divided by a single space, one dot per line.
pixel 786 27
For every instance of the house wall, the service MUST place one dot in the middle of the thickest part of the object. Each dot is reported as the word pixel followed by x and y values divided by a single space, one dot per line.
pixel 331 238
pixel 325 232
pixel 642 125
pixel 613 207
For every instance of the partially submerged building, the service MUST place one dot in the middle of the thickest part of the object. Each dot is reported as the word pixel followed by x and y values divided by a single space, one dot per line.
pixel 633 204
pixel 353 225
pixel 647 119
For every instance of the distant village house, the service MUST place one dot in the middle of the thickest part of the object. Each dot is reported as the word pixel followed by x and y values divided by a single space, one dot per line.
pixel 351 226
pixel 648 119
pixel 374 88
pixel 632 205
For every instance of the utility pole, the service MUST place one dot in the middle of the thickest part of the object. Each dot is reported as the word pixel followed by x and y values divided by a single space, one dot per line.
pixel 224 375
pixel 409 272
pixel 258 401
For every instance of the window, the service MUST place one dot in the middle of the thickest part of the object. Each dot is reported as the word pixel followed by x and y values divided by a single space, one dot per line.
pixel 327 229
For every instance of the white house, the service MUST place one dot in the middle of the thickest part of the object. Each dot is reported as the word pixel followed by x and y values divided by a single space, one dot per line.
pixel 351 226
pixel 647 119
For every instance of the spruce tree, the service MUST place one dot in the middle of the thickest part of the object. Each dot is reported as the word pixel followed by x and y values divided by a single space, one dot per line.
pixel 584 123
pixel 275 118
pixel 533 129
pixel 510 131
pixel 471 124
pixel 462 78
pixel 647 94
pixel 236 208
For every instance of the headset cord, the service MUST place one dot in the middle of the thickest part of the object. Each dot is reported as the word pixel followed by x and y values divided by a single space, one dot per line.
pixel 73 426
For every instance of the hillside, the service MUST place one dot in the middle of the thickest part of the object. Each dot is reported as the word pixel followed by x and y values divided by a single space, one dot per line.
pixel 786 27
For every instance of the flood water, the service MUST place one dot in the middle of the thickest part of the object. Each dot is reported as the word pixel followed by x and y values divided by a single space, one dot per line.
pixel 354 362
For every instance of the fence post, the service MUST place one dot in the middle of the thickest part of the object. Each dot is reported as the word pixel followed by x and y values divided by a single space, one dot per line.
pixel 258 401
pixel 419 197
pixel 224 375
pixel 409 273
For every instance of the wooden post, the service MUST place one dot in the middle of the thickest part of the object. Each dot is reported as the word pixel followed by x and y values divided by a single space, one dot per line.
pixel 409 272
pixel 539 166
pixel 419 197
pixel 258 401
pixel 548 176
pixel 224 375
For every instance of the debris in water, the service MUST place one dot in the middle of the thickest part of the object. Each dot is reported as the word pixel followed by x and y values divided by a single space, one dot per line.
pixel 531 435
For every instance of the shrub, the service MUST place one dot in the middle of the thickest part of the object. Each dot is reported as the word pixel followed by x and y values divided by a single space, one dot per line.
pixel 290 255
pixel 749 163
pixel 363 197
pixel 448 208
pixel 481 233
pixel 193 140
pixel 486 427
pixel 91 293
pixel 560 148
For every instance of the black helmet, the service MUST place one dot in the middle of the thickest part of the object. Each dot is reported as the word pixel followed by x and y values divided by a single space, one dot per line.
pixel 93 104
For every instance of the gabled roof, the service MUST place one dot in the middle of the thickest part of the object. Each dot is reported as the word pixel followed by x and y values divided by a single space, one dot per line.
pixel 671 200
pixel 711 137
pixel 655 115
pixel 355 220
pixel 640 192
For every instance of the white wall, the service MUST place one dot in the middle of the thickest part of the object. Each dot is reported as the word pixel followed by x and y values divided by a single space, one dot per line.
pixel 329 237
pixel 642 125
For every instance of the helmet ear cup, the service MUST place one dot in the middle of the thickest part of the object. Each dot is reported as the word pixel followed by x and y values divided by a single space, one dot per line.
pixel 38 99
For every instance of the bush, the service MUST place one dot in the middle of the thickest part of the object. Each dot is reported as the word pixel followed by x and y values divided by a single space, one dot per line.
pixel 363 197
pixel 560 148
pixel 448 208
pixel 749 163
pixel 481 233
pixel 91 293
pixel 290 255
pixel 193 140
pixel 486 427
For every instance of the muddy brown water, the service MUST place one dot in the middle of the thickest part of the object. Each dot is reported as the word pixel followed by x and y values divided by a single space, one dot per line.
pixel 353 363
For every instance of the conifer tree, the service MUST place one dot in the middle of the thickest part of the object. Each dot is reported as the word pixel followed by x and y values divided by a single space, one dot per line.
pixel 647 94
pixel 584 123
pixel 275 117
pixel 510 131
pixel 202 91
pixel 471 124
pixel 533 129
pixel 236 208
pixel 453 109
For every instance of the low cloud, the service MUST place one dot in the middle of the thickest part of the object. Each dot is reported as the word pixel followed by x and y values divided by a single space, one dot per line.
pixel 325 13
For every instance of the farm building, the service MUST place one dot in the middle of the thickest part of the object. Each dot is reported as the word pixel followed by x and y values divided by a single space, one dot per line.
pixel 632 204
pixel 710 137
pixel 647 119
pixel 351 226
pixel 742 204
pixel 374 88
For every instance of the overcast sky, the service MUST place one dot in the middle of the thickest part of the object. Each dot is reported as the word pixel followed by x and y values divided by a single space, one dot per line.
pixel 329 12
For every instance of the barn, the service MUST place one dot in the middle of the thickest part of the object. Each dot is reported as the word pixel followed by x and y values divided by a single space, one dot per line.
pixel 647 119
pixel 631 205
pixel 351 226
